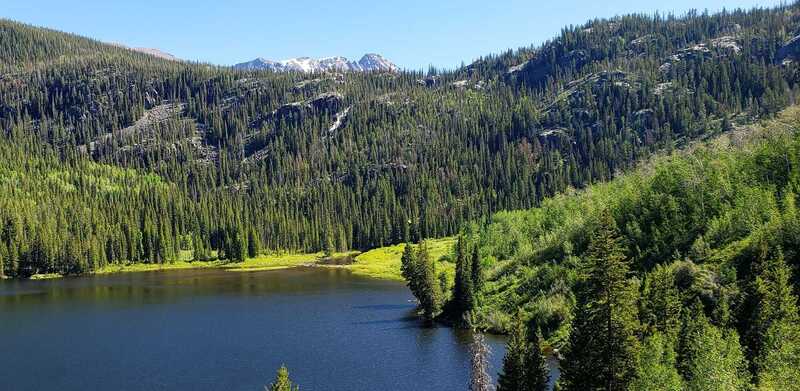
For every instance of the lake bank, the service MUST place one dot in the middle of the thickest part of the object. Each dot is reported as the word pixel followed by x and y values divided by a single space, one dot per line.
pixel 380 263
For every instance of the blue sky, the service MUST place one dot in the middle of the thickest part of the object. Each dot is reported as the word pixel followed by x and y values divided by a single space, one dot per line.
pixel 412 33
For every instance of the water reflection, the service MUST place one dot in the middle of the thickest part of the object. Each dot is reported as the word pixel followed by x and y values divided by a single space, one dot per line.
pixel 214 329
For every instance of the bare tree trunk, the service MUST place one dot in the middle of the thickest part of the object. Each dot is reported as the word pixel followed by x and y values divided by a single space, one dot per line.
pixel 480 380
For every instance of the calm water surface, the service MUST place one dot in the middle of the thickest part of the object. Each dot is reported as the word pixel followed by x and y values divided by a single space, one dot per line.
pixel 218 330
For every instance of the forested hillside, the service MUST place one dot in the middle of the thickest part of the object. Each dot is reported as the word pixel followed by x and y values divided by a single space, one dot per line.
pixel 680 275
pixel 159 156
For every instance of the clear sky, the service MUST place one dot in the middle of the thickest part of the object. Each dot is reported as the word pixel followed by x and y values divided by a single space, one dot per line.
pixel 411 33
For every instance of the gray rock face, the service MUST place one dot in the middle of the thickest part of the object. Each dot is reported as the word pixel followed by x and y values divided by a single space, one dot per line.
pixel 370 62
pixel 375 62
pixel 790 50
pixel 157 53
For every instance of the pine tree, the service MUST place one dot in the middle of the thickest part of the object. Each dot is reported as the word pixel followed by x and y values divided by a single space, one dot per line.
pixel 73 261
pixel 282 382
pixel 419 271
pixel 477 273
pixel 463 287
pixel 428 288
pixel 661 303
pixel 780 360
pixel 236 245
pixel 512 378
pixel 603 346
pixel 33 261
pixel 776 328
pixel 329 248
pixel 253 244
pixel 711 358
pixel 537 373
pixel 655 369
pixel 12 265
pixel 443 284
pixel 38 258
pixel 409 269
pixel 199 250
pixel 3 257
pixel 241 245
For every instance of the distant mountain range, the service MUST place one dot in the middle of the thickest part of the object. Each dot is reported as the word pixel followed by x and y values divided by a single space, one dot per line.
pixel 368 63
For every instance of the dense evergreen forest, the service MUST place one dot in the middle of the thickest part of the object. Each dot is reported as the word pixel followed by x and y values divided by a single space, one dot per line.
pixel 113 156
pixel 679 275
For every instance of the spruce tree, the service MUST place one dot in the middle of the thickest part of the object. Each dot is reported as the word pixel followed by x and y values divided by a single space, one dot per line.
pixel 252 244
pixel 443 284
pixel 409 269
pixel 28 264
pixel 711 358
pixel 419 271
pixel 512 378
pixel 780 360
pixel 12 264
pixel 463 287
pixel 777 328
pixel 603 346
pixel 3 256
pixel 429 295
pixel 661 303
pixel 236 245
pixel 282 382
pixel 477 273
pixel 537 373
pixel 199 252
pixel 655 368
pixel 329 247
pixel 458 282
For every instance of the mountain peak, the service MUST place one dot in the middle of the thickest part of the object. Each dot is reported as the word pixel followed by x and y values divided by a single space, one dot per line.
pixel 370 62
pixel 374 60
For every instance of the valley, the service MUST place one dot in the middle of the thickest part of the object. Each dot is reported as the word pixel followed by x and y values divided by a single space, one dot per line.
pixel 612 209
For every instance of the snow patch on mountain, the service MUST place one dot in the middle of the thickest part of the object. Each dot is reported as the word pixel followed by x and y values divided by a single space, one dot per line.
pixel 370 62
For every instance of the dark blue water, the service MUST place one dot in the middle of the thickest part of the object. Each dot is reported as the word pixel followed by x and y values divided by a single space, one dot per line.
pixel 218 330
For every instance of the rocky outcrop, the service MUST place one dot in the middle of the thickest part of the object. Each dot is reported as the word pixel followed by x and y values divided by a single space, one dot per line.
pixel 370 62
pixel 789 51
pixel 538 69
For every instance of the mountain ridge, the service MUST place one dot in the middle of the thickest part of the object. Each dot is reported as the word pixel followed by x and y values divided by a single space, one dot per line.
pixel 370 62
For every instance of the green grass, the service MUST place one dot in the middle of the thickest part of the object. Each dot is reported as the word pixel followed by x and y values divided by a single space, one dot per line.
pixel 381 263
pixel 273 262
pixel 261 262
pixel 46 276
pixel 384 262
pixel 147 267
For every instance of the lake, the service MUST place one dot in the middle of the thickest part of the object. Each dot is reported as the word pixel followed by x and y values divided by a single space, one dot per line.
pixel 221 330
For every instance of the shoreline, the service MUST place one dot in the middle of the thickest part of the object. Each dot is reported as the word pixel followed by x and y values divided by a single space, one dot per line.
pixel 260 263
pixel 381 263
